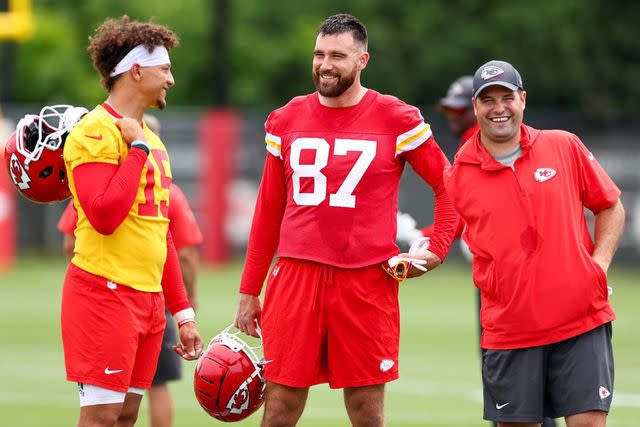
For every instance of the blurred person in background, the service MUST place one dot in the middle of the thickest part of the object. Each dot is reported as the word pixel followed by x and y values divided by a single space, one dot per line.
pixel 327 203
pixel 546 317
pixel 125 268
pixel 457 107
pixel 186 237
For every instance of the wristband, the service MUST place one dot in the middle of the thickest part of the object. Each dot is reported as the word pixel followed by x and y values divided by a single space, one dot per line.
pixel 141 145
pixel 185 316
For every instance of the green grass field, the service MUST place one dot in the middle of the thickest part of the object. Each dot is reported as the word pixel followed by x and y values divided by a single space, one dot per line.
pixel 439 364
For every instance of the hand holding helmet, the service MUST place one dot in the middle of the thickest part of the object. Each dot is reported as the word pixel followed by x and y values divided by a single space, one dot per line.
pixel 228 380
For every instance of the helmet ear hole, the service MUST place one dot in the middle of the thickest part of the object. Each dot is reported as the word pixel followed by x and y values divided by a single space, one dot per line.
pixel 31 138
pixel 46 172
pixel 63 175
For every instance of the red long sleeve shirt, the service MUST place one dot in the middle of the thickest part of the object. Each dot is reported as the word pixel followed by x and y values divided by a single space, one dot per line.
pixel 329 191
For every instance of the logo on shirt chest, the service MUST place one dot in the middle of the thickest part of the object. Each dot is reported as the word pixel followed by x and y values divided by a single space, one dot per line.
pixel 544 174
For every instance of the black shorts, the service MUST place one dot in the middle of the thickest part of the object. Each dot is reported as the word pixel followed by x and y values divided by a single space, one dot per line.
pixel 169 363
pixel 554 380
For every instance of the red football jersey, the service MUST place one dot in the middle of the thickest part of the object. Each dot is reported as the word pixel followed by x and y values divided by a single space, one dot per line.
pixel 338 194
pixel 182 222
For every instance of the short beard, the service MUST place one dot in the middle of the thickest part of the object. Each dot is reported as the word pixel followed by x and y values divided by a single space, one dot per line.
pixel 161 104
pixel 338 88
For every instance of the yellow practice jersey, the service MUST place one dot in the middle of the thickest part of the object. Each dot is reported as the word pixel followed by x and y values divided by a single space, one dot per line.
pixel 134 255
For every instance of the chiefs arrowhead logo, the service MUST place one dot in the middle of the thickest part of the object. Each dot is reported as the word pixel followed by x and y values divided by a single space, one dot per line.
pixel 544 174
pixel 239 402
pixel 18 174
pixel 386 364
pixel 603 392
pixel 490 72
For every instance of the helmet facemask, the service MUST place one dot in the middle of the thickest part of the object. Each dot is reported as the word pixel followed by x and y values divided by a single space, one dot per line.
pixel 48 129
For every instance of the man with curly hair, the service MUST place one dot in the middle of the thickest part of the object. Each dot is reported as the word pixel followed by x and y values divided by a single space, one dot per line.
pixel 125 267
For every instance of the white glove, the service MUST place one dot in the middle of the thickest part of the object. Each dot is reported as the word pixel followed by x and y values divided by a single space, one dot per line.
pixel 410 261
pixel 399 267
pixel 407 229
pixel 420 246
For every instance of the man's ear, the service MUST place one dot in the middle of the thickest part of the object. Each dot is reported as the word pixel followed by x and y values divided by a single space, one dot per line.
pixel 363 61
pixel 136 72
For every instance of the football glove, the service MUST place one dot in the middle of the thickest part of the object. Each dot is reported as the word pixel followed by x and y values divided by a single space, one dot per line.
pixel 399 267
pixel 419 246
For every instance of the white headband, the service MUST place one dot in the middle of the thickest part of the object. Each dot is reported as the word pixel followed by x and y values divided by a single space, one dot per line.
pixel 141 56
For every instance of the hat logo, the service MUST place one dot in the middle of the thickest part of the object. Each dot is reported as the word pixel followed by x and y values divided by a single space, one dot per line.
pixel 490 72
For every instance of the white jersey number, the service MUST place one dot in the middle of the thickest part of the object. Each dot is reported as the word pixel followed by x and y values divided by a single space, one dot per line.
pixel 344 196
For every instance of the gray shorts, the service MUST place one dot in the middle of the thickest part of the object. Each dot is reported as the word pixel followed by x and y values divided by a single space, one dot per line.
pixel 169 363
pixel 554 380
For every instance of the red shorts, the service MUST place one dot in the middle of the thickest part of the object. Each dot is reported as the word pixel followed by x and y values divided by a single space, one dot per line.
pixel 111 333
pixel 327 324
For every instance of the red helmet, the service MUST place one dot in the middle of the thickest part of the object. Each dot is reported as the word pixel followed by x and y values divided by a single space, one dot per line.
pixel 33 153
pixel 228 380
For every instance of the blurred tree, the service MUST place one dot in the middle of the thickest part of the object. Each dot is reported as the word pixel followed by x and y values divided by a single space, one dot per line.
pixel 579 54
pixel 56 66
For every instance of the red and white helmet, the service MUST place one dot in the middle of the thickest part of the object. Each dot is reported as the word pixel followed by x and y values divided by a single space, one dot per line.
pixel 33 153
pixel 228 379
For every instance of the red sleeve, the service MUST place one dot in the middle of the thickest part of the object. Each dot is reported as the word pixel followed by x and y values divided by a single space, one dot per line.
pixel 428 230
pixel 182 222
pixel 106 192
pixel 598 190
pixel 68 220
pixel 265 228
pixel 175 297
pixel 429 162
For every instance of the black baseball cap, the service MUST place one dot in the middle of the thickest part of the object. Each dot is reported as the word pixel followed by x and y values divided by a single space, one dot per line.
pixel 459 94
pixel 498 73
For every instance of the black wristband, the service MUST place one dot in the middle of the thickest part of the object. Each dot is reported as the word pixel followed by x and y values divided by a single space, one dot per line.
pixel 141 145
